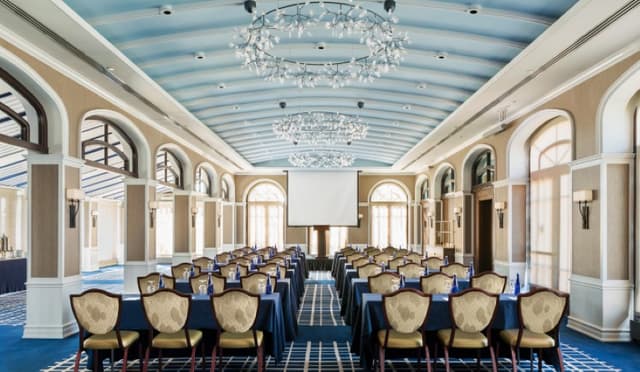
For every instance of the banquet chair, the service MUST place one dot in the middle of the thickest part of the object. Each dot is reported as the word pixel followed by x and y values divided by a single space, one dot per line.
pixel 278 260
pixel 405 312
pixel 177 271
pixel 354 256
pixel 372 251
pixel 455 268
pixel 382 258
pixel 414 257
pixel 360 262
pixel 241 260
pixel 153 279
pixel 490 282
pixel 384 283
pixel 402 252
pixel 219 282
pixel 472 312
pixel 223 258
pixel 347 251
pixel 539 312
pixel 390 251
pixel 237 252
pixel 235 312
pixel 271 269
pixel 398 261
pixel 256 283
pixel 368 270
pixel 202 262
pixel 251 256
pixel 283 255
pixel 433 263
pixel 247 250
pixel 411 270
pixel 98 315
pixel 167 313
pixel 225 270
pixel 436 283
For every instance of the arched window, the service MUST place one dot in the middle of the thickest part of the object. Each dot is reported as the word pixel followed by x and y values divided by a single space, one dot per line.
pixel 106 146
pixel 23 121
pixel 483 170
pixel 224 190
pixel 389 216
pixel 448 181
pixel 550 175
pixel 168 169
pixel 203 181
pixel 265 215
pixel 424 190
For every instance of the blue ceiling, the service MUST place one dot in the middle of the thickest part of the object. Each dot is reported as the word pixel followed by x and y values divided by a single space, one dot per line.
pixel 401 107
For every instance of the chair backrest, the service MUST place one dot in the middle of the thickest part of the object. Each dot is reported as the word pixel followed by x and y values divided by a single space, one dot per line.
pixel 411 270
pixel 436 283
pixel 433 263
pixel 283 255
pixel 402 252
pixel 154 279
pixel 219 282
pixel 414 257
pixel 354 256
pixel 202 262
pixel 473 310
pixel 237 252
pixel 270 269
pixel 166 310
pixel 231 268
pixel 223 258
pixel 235 310
pixel 279 260
pixel 460 270
pixel 177 271
pixel 490 282
pixel 241 260
pixel 406 310
pixel 382 257
pixel 96 311
pixel 372 251
pixel 347 251
pixel 393 264
pixel 384 283
pixel 368 270
pixel 256 283
pixel 360 262
pixel 390 251
pixel 541 310
pixel 247 250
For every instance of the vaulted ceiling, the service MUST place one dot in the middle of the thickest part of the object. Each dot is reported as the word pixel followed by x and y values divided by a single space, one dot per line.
pixel 455 49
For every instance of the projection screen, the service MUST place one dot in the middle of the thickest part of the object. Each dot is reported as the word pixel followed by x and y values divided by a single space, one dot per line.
pixel 322 198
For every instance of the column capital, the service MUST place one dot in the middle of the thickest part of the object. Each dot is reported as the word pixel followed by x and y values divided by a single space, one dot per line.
pixel 511 182
pixel 55 159
pixel 178 192
pixel 140 181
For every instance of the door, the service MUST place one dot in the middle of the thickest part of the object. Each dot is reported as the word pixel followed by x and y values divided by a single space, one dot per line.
pixel 485 233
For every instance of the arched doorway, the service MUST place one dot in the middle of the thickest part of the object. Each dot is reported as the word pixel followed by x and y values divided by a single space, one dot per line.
pixel 265 215
pixel 170 177
pixel 446 239
pixel 389 206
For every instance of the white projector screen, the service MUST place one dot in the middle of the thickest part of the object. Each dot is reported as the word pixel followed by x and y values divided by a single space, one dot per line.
pixel 322 198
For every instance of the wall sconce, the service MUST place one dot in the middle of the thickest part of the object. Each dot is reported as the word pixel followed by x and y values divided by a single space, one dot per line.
pixel 500 207
pixel 194 213
pixel 583 198
pixel 74 196
pixel 457 211
pixel 94 218
pixel 153 206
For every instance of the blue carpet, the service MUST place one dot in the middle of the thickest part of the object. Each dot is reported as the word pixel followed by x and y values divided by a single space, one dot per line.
pixel 22 355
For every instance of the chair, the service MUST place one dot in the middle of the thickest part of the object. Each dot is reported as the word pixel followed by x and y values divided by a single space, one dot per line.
pixel 460 270
pixel 402 252
pixel 540 312
pixel 202 262
pixel 237 252
pixel 177 271
pixel 223 258
pixel 278 260
pixel 398 261
pixel 256 283
pixel 472 313
pixel 98 315
pixel 153 279
pixel 283 255
pixel 490 282
pixel 414 257
pixel 247 250
pixel 436 283
pixel 382 258
pixel 219 282
pixel 368 270
pixel 359 262
pixel 384 283
pixel 411 270
pixel 433 263
pixel 235 311
pixel 241 260
pixel 390 251
pixel 372 251
pixel 353 257
pixel 405 313
pixel 271 269
pixel 167 314
pixel 231 268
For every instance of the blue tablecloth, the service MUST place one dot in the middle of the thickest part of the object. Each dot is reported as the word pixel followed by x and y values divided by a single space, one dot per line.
pixel 13 274
pixel 342 263
pixel 371 319
pixel 335 264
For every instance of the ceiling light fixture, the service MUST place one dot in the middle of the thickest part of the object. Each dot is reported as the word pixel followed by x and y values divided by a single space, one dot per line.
pixel 199 56
pixel 474 9
pixel 250 6
pixel 321 159
pixel 320 128
pixel 441 55
pixel 345 20
pixel 166 10
pixel 389 6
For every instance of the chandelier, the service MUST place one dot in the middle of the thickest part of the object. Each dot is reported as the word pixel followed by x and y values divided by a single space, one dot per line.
pixel 320 128
pixel 375 32
pixel 321 159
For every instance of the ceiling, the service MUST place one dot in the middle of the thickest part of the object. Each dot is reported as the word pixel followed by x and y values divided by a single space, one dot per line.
pixel 401 108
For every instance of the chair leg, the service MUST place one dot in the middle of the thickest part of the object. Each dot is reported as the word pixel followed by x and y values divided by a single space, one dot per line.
pixel 381 358
pixel 160 360
pixel 260 358
pixel 514 360
pixel 124 359
pixel 427 357
pixel 193 358
pixel 213 358
pixel 494 366
pixel 145 364
pixel 560 358
pixel 539 359
pixel 446 359
pixel 478 359
pixel 76 363
pixel 204 357
pixel 95 360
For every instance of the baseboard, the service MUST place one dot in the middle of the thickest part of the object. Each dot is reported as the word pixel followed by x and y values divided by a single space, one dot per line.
pixel 598 333
pixel 43 331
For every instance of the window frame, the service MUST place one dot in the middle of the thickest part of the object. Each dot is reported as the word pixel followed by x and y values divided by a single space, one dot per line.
pixel 106 146
pixel 488 169
pixel 198 179
pixel 448 180
pixel 166 169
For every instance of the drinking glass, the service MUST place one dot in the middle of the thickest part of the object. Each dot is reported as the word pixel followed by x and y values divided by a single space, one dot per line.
pixel 512 286
pixel 232 275
pixel 150 286
pixel 185 274
pixel 202 288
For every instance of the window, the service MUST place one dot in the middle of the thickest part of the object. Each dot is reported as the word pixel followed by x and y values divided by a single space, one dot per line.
pixel 106 146
pixel 203 181
pixel 389 216
pixel 337 240
pixel 164 229
pixel 483 170
pixel 265 215
pixel 424 190
pixel 168 169
pixel 23 121
pixel 448 181
pixel 224 190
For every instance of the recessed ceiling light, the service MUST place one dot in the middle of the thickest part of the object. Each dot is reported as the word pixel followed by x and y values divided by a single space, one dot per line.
pixel 111 68
pixel 422 86
pixel 441 55
pixel 166 10
pixel 221 86
pixel 320 46
pixel 396 124
pixel 474 9
pixel 406 107
pixel 199 56
pixel 236 107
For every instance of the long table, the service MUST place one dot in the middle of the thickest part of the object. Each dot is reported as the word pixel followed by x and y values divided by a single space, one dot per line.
pixel 13 274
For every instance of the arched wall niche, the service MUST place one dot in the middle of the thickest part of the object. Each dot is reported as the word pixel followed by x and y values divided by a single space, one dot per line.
pixel 228 178
pixel 469 160
pixel 187 168
pixel 436 188
pixel 213 175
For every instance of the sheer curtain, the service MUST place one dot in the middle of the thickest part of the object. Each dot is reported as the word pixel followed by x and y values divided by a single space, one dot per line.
pixel 164 229
pixel 265 216
pixel 389 216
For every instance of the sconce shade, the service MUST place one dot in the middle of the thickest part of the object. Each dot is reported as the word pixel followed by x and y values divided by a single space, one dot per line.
pixel 583 196
pixel 94 213
pixel 153 204
pixel 500 205
pixel 457 210
pixel 75 194
pixel 194 210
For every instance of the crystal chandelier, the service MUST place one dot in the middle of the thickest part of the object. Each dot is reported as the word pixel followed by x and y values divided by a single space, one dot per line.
pixel 320 128
pixel 257 41
pixel 321 159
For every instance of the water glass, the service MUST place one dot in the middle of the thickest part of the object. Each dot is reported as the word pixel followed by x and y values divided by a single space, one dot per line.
pixel 185 274
pixel 151 287
pixel 512 286
pixel 231 275
pixel 202 288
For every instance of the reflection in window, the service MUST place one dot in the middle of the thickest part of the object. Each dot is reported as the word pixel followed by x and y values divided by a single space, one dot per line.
pixel 483 169
pixel 203 181
pixel 448 181
pixel 424 190
pixel 164 230
pixel 389 216
pixel 168 169
pixel 105 145
pixel 265 215
pixel 224 190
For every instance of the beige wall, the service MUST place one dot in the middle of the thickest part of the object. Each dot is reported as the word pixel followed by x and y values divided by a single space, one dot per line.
pixel 586 243
pixel 182 223
pixel 135 213
pixel 44 221
pixel 210 224
pixel 617 222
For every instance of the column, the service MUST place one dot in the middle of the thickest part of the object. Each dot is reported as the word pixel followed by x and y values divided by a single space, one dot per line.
pixel 90 252
pixel 184 246
pixel 228 226
pixel 139 236
pixel 53 270
pixel 509 256
pixel 210 227
pixel 240 230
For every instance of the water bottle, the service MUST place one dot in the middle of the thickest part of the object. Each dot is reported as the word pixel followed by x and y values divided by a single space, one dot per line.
pixel 237 271
pixel 426 270
pixel 516 287
pixel 404 260
pixel 192 271
pixel 446 260
pixel 161 282
pixel 454 287
pixel 402 283
pixel 370 259
pixel 268 288
pixel 278 270
pixel 209 285
pixel 470 270
pixel 216 267
pixel 384 266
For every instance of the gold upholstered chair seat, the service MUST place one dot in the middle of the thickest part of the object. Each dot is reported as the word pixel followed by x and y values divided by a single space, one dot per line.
pixel 399 340
pixel 109 341
pixel 244 340
pixel 464 340
pixel 529 339
pixel 176 340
